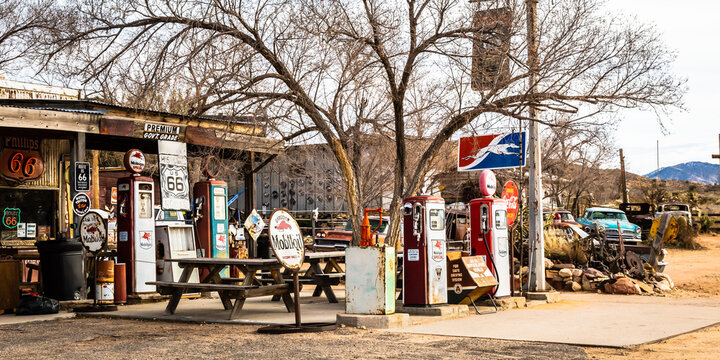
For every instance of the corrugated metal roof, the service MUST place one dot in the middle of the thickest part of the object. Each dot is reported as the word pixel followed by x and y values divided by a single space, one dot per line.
pixel 79 111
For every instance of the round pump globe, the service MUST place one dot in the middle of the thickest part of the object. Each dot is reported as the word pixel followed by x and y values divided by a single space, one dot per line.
pixel 488 183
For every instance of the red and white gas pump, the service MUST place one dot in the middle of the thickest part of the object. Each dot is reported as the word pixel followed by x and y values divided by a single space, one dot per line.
pixel 489 232
pixel 136 225
pixel 424 265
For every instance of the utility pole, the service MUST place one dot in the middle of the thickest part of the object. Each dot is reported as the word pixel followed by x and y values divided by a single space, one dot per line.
pixel 536 240
pixel 623 180
pixel 717 156
pixel 657 153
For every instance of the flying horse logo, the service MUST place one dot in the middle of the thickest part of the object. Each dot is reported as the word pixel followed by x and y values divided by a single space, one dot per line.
pixel 490 151
pixel 494 148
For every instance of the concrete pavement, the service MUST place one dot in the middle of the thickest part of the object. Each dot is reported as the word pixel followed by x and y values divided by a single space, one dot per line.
pixel 11 319
pixel 586 319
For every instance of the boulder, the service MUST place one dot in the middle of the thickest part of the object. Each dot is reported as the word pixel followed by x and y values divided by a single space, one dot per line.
pixel 548 263
pixel 565 273
pixel 663 286
pixel 591 273
pixel 576 286
pixel 563 266
pixel 576 272
pixel 587 285
pixel 622 286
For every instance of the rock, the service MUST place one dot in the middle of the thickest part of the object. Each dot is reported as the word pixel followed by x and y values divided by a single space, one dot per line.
pixel 576 272
pixel 576 287
pixel 623 286
pixel 591 273
pixel 548 263
pixel 563 266
pixel 565 273
pixel 618 276
pixel 587 285
pixel 342 325
pixel 663 276
pixel 608 288
pixel 663 286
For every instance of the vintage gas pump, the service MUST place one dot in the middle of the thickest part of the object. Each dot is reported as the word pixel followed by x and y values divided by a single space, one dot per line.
pixel 211 213
pixel 489 232
pixel 424 268
pixel 136 225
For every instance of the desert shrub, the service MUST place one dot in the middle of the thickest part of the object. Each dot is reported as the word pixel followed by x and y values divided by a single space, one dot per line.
pixel 687 235
pixel 560 248
pixel 705 223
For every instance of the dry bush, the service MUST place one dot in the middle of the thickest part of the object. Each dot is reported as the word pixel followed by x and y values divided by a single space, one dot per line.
pixel 687 236
pixel 559 248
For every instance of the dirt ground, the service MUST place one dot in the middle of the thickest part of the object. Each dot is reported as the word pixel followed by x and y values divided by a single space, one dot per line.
pixel 129 339
pixel 696 274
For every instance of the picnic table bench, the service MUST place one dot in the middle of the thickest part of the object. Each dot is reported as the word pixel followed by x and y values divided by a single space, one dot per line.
pixel 250 286
pixel 323 277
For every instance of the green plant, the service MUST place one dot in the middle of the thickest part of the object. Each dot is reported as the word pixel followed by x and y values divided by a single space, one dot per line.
pixel 705 223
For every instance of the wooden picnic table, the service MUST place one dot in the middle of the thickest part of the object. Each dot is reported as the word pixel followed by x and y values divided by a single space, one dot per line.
pixel 228 289
pixel 323 277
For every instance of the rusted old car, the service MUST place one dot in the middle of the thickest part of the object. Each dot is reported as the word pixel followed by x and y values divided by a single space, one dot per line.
pixel 676 210
pixel 641 214
pixel 342 238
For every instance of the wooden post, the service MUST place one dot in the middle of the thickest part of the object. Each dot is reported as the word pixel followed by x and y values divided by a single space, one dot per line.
pixel 717 156
pixel 623 180
pixel 250 200
pixel 536 239
pixel 95 178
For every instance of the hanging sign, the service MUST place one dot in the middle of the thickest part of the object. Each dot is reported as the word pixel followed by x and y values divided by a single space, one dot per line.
pixel 93 232
pixel 161 132
pixel 134 161
pixel 11 217
pixel 81 204
pixel 82 176
pixel 31 230
pixel 21 230
pixel 286 239
pixel 174 185
pixel 499 151
pixel 20 159
pixel 254 224
pixel 510 194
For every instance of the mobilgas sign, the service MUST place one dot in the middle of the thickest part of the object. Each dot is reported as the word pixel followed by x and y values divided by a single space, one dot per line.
pixel 286 239
pixel 492 151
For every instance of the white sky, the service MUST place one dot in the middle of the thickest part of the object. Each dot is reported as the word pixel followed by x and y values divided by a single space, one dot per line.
pixel 690 27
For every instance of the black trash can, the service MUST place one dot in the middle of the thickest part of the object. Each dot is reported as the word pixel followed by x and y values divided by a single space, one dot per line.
pixel 63 269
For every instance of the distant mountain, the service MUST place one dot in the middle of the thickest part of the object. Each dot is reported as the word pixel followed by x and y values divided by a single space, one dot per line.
pixel 695 171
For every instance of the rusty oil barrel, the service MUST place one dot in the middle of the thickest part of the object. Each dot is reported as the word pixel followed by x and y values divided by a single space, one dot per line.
pixel 105 282
pixel 120 284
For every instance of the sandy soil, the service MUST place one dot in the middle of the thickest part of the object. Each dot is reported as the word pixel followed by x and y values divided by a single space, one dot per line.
pixel 129 339
pixel 696 274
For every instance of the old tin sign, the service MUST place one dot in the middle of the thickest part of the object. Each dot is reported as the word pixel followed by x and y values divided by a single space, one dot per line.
pixel 20 159
pixel 93 231
pixel 286 239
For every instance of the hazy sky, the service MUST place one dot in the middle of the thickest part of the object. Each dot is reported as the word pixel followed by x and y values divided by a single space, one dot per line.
pixel 691 27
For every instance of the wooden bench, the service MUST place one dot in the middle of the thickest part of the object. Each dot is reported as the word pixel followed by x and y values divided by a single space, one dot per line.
pixel 324 283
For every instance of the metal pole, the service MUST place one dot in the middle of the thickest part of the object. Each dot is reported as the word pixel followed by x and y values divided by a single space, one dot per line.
pixel 623 180
pixel 536 240
pixel 296 283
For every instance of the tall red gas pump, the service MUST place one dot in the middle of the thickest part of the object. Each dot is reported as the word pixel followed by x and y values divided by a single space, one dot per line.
pixel 489 232
pixel 136 225
pixel 212 216
pixel 424 265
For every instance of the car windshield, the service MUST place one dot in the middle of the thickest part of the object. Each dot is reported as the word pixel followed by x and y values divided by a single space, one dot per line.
pixel 601 215
pixel 373 224
pixel 566 217
pixel 675 208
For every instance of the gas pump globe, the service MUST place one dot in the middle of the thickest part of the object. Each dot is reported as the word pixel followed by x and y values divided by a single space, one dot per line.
pixel 424 268
pixel 136 225
pixel 489 232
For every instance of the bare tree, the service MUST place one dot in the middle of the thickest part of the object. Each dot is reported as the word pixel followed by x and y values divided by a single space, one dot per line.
pixel 18 19
pixel 333 70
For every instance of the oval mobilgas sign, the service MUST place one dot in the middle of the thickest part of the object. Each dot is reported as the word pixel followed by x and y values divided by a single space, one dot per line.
pixel 510 194
pixel 286 239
